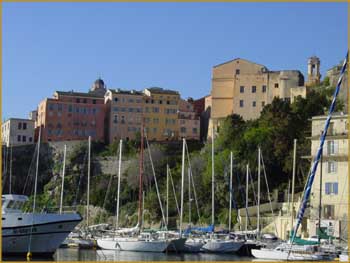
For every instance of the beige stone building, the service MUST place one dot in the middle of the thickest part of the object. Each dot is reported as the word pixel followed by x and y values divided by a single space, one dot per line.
pixel 243 87
pixel 189 121
pixel 123 114
pixel 334 167
pixel 15 132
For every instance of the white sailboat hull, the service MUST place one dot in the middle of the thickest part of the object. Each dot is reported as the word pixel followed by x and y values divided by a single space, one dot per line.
pixel 344 258
pixel 193 245
pixel 131 244
pixel 221 246
pixel 43 235
pixel 271 254
pixel 109 244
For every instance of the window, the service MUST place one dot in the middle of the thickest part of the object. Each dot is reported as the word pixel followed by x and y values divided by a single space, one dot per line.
pixel 18 138
pixel 160 102
pixel 263 104
pixel 254 103
pixel 131 109
pixel 78 100
pixel 123 120
pixel 115 109
pixel 276 85
pixel 152 101
pixel 331 188
pixel 264 88
pixel 241 103
pixel 238 71
pixel 241 89
pixel 93 101
pixel 183 129
pixel 24 138
pixel 84 100
pixel 331 128
pixel 332 167
pixel 20 125
pixel 70 108
pixel 51 107
pixel 24 125
pixel 328 211
pixel 194 130
pixel 30 139
pixel 154 130
pixel 146 101
pixel 253 89
pixel 116 99
pixel 332 147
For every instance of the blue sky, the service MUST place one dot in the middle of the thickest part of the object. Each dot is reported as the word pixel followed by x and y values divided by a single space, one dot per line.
pixel 65 46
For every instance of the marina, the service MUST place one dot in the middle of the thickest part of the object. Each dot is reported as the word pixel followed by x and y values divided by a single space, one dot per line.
pixel 255 171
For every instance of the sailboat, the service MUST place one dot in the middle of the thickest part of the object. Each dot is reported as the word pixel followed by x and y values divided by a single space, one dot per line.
pixel 219 243
pixel 289 250
pixel 33 234
pixel 139 241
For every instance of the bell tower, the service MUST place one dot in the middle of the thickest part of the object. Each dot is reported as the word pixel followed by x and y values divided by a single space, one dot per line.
pixel 313 71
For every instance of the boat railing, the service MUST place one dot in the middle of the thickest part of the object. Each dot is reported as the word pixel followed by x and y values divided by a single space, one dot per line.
pixel 65 210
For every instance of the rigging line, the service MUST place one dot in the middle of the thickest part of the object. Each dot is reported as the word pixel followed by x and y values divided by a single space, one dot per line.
pixel 252 186
pixel 268 194
pixel 240 188
pixel 109 185
pixel 192 182
pixel 155 181
pixel 29 170
pixel 80 179
pixel 172 183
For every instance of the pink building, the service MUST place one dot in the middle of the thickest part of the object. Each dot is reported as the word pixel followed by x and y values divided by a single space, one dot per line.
pixel 73 115
pixel 189 121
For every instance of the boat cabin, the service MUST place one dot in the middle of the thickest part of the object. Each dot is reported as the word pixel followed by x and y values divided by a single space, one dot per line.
pixel 13 203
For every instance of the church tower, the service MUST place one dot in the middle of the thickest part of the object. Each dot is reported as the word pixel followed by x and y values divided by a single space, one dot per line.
pixel 313 71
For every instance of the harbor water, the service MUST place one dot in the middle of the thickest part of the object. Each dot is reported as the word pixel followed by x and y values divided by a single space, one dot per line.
pixel 74 254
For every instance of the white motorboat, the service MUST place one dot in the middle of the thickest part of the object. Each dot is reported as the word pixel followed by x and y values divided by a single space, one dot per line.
pixel 221 244
pixel 38 233
pixel 286 251
pixel 344 256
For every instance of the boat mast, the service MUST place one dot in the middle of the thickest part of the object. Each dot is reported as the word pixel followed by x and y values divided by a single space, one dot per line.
pixel 320 201
pixel 258 205
pixel 246 199
pixel 119 175
pixel 167 195
pixel 88 183
pixel 293 178
pixel 10 180
pixel 189 196
pixel 212 179
pixel 36 172
pixel 141 179
pixel 63 172
pixel 230 206
pixel 182 184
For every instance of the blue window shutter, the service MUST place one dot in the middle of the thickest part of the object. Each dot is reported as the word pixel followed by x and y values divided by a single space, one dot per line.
pixel 335 188
pixel 328 189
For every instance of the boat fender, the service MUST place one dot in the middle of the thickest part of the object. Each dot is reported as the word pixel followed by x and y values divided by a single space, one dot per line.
pixel 29 256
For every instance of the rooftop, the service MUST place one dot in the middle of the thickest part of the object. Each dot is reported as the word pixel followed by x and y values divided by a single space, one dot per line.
pixel 129 92
pixel 79 94
pixel 157 90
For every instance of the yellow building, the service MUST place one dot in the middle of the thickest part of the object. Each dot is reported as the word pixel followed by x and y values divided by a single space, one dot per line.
pixel 335 184
pixel 124 114
pixel 161 108
pixel 243 87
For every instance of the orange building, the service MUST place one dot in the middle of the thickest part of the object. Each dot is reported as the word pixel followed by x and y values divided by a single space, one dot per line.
pixel 73 115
